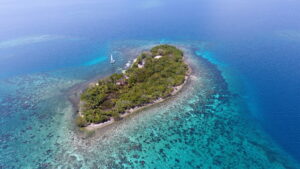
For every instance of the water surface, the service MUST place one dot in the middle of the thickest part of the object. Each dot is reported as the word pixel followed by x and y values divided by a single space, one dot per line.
pixel 241 110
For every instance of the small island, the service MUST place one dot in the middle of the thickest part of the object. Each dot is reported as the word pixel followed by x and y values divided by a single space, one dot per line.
pixel 154 76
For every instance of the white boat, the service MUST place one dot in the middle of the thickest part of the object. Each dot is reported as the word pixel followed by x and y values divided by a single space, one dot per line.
pixel 112 61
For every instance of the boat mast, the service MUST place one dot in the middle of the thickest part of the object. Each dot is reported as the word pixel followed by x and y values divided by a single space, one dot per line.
pixel 112 61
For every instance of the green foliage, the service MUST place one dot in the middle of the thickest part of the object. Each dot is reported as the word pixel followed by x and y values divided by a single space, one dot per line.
pixel 80 121
pixel 116 94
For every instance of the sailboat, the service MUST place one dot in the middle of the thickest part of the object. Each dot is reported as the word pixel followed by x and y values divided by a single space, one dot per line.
pixel 112 61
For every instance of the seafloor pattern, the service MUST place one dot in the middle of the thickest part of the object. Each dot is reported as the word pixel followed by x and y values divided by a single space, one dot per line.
pixel 207 125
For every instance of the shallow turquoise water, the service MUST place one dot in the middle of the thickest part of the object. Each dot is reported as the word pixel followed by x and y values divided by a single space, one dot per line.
pixel 47 47
pixel 208 125
pixel 254 42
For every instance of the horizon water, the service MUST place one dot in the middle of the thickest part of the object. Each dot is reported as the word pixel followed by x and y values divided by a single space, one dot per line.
pixel 239 110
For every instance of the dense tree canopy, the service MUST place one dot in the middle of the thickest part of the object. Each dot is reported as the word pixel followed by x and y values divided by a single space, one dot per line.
pixel 154 75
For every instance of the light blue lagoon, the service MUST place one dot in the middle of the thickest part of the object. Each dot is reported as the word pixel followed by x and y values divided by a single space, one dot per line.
pixel 238 109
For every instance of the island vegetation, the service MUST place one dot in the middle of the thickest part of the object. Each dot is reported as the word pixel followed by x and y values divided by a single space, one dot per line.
pixel 153 75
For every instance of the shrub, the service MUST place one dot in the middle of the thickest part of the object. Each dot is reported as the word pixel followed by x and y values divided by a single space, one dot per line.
pixel 81 122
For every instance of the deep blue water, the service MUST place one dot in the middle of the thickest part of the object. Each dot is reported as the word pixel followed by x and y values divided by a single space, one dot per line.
pixel 51 45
